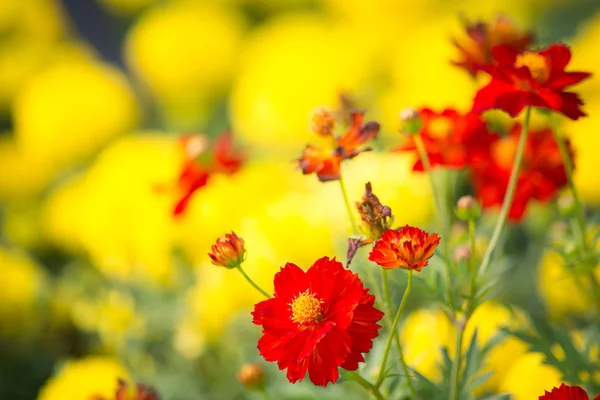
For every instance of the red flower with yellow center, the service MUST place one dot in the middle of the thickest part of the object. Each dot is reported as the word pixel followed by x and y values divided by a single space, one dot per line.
pixel 476 50
pixel 326 160
pixel 406 248
pixel 450 138
pixel 318 321
pixel 200 162
pixel 140 392
pixel 531 78
pixel 565 392
pixel 542 171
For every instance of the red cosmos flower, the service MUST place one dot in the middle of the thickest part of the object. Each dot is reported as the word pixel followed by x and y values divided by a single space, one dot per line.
pixel 326 161
pixel 475 51
pixel 201 161
pixel 124 393
pixel 542 172
pixel 318 321
pixel 406 248
pixel 450 138
pixel 531 78
pixel 565 392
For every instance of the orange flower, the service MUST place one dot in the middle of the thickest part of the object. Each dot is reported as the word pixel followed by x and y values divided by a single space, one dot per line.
pixel 141 393
pixel 476 50
pixel 228 252
pixel 326 161
pixel 406 248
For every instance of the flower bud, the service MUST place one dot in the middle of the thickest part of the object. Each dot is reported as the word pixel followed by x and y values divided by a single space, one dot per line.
pixel 462 253
pixel 228 252
pixel 411 122
pixel 251 375
pixel 566 205
pixel 467 208
pixel 322 122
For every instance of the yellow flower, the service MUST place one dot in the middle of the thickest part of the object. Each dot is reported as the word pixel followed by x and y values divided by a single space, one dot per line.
pixel 120 211
pixel 562 291
pixel 22 282
pixel 69 110
pixel 185 53
pixel 528 377
pixel 85 378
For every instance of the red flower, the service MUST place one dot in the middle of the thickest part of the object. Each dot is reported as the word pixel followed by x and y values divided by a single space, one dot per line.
pixel 406 248
pixel 475 51
pixel 450 138
pixel 201 162
pixel 531 78
pixel 542 172
pixel 326 161
pixel 124 393
pixel 565 392
pixel 318 321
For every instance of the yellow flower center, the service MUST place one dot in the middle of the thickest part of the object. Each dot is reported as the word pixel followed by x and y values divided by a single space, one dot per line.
pixel 504 152
pixel 440 128
pixel 306 309
pixel 536 64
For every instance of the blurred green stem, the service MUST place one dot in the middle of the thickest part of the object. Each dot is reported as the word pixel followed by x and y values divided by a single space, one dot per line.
pixel 367 385
pixel 239 267
pixel 388 299
pixel 580 233
pixel 508 197
pixel 394 327
pixel 348 206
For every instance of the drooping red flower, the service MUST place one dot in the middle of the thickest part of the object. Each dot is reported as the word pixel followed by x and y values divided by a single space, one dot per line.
pixel 476 49
pixel 406 248
pixel 542 171
pixel 140 392
pixel 531 78
pixel 318 321
pixel 325 160
pixel 565 392
pixel 451 139
pixel 201 161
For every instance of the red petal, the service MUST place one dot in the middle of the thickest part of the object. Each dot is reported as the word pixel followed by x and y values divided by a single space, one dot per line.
pixel 563 79
pixel 329 354
pixel 504 55
pixel 558 56
pixel 289 282
pixel 565 392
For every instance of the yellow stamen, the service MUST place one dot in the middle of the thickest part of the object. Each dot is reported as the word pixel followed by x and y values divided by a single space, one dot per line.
pixel 440 128
pixel 306 309
pixel 536 64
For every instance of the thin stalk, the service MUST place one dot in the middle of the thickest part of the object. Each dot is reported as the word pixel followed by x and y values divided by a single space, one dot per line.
pixel 508 197
pixel 455 373
pixel 264 394
pixel 579 212
pixel 388 299
pixel 472 266
pixel 394 327
pixel 367 385
pixel 348 206
pixel 239 267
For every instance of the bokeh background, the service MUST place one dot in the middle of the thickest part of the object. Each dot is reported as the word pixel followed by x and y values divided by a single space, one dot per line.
pixel 98 279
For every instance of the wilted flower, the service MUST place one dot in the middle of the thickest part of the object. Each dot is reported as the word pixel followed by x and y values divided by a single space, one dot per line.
pixel 375 218
pixel 542 173
pixel 251 375
pixel 565 392
pixel 318 321
pixel 475 51
pixel 531 79
pixel 326 161
pixel 450 138
pixel 228 252
pixel 124 393
pixel 201 161
pixel 406 248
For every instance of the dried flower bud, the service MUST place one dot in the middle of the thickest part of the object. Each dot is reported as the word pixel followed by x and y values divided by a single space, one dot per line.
pixel 566 205
pixel 467 208
pixel 375 218
pixel 322 122
pixel 462 253
pixel 411 122
pixel 228 252
pixel 251 375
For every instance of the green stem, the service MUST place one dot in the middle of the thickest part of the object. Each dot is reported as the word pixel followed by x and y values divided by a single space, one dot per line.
pixel 239 267
pixel 579 212
pixel 455 373
pixel 388 299
pixel 264 394
pixel 472 266
pixel 348 206
pixel 367 385
pixel 508 197
pixel 394 327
